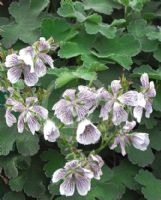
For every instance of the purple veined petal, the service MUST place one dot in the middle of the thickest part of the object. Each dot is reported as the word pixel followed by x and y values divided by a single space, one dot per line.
pixel 115 86
pixel 138 112
pixel 151 91
pixel 32 122
pixel 87 95
pixel 129 126
pixel 58 175
pixel 87 133
pixel 40 68
pixel 81 112
pixel 130 98
pixel 27 55
pixel 43 44
pixel 140 141
pixel 69 94
pixel 67 188
pixel 14 74
pixel 71 164
pixel 41 111
pixel 18 107
pixel 148 109
pixel 115 143
pixel 64 111
pixel 119 114
pixel 122 146
pixel 145 80
pixel 47 59
pixel 51 132
pixel 20 124
pixel 88 173
pixel 31 100
pixel 10 118
pixel 103 94
pixel 11 60
pixel 141 100
pixel 30 78
pixel 105 110
pixel 83 184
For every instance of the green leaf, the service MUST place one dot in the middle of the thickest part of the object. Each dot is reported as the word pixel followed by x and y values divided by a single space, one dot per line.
pixel 154 74
pixel 151 186
pixel 27 20
pixel 93 25
pixel 155 139
pixel 102 6
pixel 157 99
pixel 14 196
pixel 156 165
pixel 27 144
pixel 72 9
pixel 140 158
pixel 157 54
pixel 54 160
pixel 59 29
pixel 10 164
pixel 125 173
pixel 116 49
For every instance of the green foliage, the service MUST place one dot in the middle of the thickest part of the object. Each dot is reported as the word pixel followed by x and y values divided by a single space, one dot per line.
pixel 97 42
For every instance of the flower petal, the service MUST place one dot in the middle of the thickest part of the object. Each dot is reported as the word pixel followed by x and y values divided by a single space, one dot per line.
pixel 87 133
pixel 129 126
pixel 105 109
pixel 119 114
pixel 27 55
pixel 32 122
pixel 138 112
pixel 67 188
pixel 11 60
pixel 20 124
pixel 40 68
pixel 51 132
pixel 151 92
pixel 115 86
pixel 30 78
pixel 130 98
pixel 64 111
pixel 140 141
pixel 83 185
pixel 14 74
pixel 145 80
pixel 69 94
pixel 58 175
pixel 47 59
pixel 41 111
pixel 10 118
pixel 148 108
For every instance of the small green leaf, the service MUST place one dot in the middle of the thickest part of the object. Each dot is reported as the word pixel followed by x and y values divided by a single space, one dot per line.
pixel 14 196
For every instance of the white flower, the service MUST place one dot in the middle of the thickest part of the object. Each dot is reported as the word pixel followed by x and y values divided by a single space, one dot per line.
pixel 122 139
pixel 17 68
pixel 140 141
pixel 148 92
pixel 30 113
pixel 51 132
pixel 73 175
pixel 75 105
pixel 87 133
pixel 96 163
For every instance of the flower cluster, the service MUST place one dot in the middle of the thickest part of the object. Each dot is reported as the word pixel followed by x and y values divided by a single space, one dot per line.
pixel 118 109
pixel 78 174
pixel 30 62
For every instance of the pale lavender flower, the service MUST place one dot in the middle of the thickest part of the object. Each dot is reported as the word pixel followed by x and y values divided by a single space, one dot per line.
pixel 73 176
pixel 147 93
pixel 122 139
pixel 30 113
pixel 10 118
pixel 112 104
pixel 140 140
pixel 75 105
pixel 36 56
pixel 51 132
pixel 17 68
pixel 96 163
pixel 87 133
